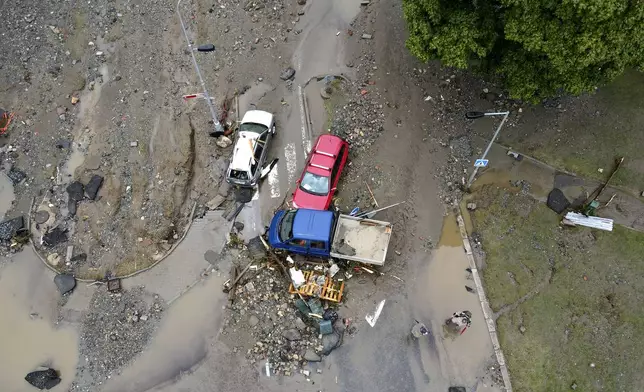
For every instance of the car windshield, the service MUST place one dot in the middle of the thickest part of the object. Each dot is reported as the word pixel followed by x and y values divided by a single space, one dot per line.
pixel 286 226
pixel 252 127
pixel 315 184
pixel 239 175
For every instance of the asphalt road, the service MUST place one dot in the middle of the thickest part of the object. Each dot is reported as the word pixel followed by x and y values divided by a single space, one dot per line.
pixel 319 52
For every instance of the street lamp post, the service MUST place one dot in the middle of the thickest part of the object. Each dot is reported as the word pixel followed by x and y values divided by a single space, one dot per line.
pixel 474 115
pixel 219 129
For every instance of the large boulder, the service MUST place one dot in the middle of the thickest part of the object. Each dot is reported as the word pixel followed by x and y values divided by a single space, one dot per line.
pixel 93 186
pixel 54 237
pixel 43 378
pixel 65 283
pixel 557 201
pixel 76 190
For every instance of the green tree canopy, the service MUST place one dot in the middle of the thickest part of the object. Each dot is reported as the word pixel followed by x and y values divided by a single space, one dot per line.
pixel 540 47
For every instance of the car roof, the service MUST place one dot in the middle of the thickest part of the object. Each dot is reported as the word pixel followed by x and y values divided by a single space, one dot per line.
pixel 244 151
pixel 320 160
pixel 312 225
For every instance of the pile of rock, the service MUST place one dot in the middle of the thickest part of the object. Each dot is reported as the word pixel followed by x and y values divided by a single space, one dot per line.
pixel 359 122
pixel 116 328
pixel 283 337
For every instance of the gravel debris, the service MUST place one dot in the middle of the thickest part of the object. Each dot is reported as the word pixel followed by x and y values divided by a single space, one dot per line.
pixel 116 329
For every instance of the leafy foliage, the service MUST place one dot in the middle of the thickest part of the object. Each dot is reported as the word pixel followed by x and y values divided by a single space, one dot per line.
pixel 540 47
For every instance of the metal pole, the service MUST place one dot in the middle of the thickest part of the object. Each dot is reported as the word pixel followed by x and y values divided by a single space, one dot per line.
pixel 476 169
pixel 218 127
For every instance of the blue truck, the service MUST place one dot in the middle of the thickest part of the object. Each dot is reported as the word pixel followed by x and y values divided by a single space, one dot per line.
pixel 327 234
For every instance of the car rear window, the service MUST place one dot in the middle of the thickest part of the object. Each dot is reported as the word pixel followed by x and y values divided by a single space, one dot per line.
pixel 315 184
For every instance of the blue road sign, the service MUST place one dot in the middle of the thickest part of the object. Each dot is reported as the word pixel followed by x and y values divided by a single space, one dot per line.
pixel 481 162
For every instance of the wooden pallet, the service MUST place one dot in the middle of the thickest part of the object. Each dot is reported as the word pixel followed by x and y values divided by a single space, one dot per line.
pixel 330 291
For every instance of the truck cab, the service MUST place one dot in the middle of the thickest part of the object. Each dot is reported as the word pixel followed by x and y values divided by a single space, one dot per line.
pixel 303 231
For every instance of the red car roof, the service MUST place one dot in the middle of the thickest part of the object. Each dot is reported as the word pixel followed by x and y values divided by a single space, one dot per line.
pixel 323 156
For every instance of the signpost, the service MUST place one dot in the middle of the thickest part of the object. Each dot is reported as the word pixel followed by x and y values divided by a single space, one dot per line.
pixel 481 162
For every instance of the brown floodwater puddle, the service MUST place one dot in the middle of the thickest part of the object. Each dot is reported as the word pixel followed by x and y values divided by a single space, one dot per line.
pixel 28 338
pixel 450 234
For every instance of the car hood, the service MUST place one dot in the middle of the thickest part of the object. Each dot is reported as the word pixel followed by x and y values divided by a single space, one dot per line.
pixel 258 117
pixel 306 200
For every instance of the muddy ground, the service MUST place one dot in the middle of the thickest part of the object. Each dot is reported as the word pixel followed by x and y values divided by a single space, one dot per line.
pixel 127 64
pixel 96 90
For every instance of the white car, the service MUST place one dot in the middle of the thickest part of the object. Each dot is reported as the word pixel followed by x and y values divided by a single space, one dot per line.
pixel 251 148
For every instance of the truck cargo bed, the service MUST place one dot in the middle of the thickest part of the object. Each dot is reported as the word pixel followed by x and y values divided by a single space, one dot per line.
pixel 363 240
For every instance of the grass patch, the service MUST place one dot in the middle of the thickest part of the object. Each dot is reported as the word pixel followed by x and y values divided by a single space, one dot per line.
pixel 581 294
pixel 591 133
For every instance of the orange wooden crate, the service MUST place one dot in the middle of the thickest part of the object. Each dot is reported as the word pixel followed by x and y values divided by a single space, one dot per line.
pixel 330 291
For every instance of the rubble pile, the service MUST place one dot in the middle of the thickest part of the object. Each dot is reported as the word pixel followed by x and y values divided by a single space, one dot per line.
pixel 116 328
pixel 284 336
pixel 359 121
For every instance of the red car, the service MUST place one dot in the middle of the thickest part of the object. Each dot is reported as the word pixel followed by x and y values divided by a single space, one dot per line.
pixel 316 187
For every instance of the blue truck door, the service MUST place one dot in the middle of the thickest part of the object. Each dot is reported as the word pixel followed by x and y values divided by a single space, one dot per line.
pixel 298 246
pixel 318 249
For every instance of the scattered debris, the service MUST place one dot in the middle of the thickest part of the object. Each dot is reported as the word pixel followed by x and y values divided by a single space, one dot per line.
pixel 16 176
pixel 375 202
pixel 43 378
pixel 65 283
pixel 469 289
pixel 515 155
pixel 10 227
pixel 75 100
pixel 113 285
pixel 574 218
pixel 215 202
pixel 63 144
pixel 366 36
pixel 372 319
pixel 223 141
pixel 53 259
pixel 557 201
pixel 471 206
pixel 522 329
pixel 320 286
pixel 459 322
pixel 5 120
pixel 69 254
pixel 297 277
